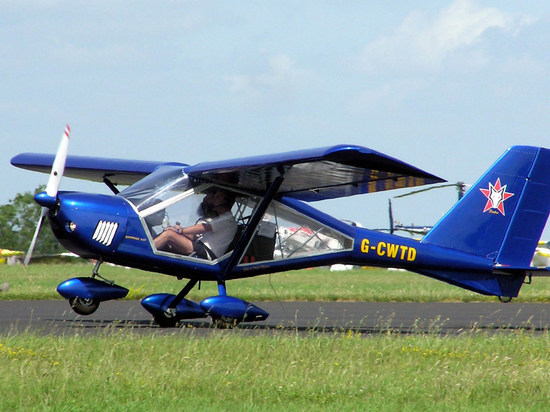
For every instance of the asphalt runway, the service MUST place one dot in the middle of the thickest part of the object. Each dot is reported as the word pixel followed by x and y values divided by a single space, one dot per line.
pixel 56 317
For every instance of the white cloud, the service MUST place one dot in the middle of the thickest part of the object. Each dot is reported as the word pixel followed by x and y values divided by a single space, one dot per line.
pixel 423 43
pixel 281 77
pixel 389 94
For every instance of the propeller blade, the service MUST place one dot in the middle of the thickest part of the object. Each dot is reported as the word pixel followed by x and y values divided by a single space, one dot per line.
pixel 35 237
pixel 58 166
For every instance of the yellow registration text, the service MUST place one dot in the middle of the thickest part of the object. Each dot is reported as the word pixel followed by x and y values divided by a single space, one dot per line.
pixel 389 250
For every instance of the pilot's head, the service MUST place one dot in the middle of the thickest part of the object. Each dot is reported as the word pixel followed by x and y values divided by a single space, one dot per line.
pixel 217 201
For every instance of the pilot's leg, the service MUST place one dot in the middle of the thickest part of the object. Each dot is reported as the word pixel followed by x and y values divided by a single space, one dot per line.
pixel 171 241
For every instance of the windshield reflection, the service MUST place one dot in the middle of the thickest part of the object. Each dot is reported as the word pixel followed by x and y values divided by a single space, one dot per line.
pixel 160 185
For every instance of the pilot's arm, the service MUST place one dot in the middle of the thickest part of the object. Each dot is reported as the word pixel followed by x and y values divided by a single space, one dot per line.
pixel 191 231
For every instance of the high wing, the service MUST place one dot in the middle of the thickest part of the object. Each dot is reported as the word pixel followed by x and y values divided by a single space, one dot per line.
pixel 96 169
pixel 309 175
pixel 316 174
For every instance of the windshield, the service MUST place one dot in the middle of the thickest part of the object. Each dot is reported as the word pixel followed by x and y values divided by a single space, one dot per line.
pixel 160 185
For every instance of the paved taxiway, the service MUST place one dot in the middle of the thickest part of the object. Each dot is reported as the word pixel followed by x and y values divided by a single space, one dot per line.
pixel 55 317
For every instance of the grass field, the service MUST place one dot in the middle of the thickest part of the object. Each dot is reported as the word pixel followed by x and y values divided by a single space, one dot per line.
pixel 376 285
pixel 277 370
pixel 122 371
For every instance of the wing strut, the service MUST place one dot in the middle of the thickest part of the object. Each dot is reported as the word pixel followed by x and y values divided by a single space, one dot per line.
pixel 251 227
pixel 110 185
pixel 239 248
pixel 170 310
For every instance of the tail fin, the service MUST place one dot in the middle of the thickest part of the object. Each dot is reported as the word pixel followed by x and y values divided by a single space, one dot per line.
pixel 503 215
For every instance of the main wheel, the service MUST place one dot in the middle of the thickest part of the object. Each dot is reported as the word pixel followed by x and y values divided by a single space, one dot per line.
pixel 84 306
pixel 165 322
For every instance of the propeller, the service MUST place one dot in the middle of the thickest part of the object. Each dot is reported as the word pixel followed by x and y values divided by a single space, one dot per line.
pixel 58 168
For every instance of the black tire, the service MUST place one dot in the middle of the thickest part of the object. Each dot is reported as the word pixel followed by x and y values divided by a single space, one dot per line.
pixel 224 322
pixel 84 306
pixel 166 322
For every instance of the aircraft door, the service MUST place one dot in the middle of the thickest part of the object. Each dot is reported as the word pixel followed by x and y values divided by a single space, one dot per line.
pixel 284 233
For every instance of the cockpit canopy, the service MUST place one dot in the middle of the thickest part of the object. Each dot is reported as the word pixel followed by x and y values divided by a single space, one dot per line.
pixel 170 197
pixel 162 184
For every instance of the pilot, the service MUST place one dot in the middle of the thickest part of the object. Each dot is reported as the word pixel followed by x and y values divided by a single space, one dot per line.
pixel 210 237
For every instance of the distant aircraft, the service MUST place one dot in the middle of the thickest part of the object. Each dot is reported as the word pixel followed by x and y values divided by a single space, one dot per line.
pixel 485 243
pixel 412 229
pixel 6 254
pixel 542 255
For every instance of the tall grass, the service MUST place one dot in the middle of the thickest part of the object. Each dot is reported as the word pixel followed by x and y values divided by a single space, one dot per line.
pixel 39 281
pixel 122 370
pixel 274 369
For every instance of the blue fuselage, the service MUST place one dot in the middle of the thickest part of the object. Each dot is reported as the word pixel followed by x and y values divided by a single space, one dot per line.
pixel 108 228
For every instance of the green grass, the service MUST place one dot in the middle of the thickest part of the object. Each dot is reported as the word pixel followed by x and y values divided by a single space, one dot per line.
pixel 230 371
pixel 39 281
pixel 121 370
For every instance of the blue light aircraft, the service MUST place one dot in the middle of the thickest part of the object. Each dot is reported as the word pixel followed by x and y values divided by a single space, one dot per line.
pixel 485 243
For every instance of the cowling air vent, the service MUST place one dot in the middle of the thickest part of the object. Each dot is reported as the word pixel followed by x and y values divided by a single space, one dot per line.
pixel 105 232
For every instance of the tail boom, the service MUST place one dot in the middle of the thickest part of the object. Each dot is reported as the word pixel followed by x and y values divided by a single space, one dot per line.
pixel 469 271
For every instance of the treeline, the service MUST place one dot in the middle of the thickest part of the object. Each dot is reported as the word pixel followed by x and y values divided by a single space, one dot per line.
pixel 18 221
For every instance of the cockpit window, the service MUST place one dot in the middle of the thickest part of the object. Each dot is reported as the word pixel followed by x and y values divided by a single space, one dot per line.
pixel 196 223
pixel 285 233
pixel 168 199
pixel 162 184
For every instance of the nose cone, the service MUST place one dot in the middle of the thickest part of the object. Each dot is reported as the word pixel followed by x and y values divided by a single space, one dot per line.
pixel 90 225
pixel 45 200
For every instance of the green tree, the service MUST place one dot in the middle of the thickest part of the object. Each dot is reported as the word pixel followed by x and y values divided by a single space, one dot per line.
pixel 18 220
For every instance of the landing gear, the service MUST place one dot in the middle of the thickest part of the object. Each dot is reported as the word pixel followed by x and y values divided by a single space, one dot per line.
pixel 226 311
pixel 164 320
pixel 220 321
pixel 224 322
pixel 168 309
pixel 84 306
pixel 86 293
pixel 168 318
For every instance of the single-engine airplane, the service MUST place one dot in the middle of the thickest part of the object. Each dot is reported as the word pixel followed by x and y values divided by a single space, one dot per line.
pixel 484 243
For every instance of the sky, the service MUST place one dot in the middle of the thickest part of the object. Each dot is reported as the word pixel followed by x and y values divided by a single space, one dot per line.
pixel 446 86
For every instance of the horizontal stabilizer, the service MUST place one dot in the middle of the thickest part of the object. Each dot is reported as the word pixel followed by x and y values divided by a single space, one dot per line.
pixel 484 283
pixel 524 271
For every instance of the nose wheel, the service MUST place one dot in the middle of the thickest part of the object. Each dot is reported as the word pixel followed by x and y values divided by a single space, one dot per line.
pixel 84 306
pixel 166 319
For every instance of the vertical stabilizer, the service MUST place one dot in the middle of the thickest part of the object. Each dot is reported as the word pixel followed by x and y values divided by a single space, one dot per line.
pixel 503 215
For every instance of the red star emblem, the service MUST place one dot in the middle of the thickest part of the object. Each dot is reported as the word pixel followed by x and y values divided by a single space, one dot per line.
pixel 496 195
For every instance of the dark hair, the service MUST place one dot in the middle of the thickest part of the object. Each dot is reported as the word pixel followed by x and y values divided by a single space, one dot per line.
pixel 229 198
